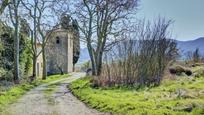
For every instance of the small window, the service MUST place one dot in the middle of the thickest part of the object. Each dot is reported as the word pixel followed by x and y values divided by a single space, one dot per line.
pixel 57 40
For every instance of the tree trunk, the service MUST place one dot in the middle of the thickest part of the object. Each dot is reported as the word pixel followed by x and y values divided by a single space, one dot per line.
pixel 99 64
pixel 34 68
pixel 93 67
pixel 93 64
pixel 96 62
pixel 44 64
pixel 16 48
pixel 61 71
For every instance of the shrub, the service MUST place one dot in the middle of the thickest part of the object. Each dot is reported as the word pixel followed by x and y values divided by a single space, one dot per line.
pixel 6 75
pixel 7 53
pixel 178 70
pixel 188 72
pixel 142 61
pixel 85 66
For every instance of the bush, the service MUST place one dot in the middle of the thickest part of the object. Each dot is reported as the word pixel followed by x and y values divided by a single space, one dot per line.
pixel 6 75
pixel 142 61
pixel 178 70
pixel 7 53
pixel 85 66
pixel 2 72
pixel 188 72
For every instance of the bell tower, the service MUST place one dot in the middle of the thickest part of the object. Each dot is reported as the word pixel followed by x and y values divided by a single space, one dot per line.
pixel 59 52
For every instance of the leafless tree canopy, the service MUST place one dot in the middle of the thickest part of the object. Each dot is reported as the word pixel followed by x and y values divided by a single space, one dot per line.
pixel 101 22
pixel 196 56
pixel 141 60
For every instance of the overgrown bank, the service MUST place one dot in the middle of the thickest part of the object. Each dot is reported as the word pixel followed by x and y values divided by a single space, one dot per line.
pixel 11 95
pixel 182 96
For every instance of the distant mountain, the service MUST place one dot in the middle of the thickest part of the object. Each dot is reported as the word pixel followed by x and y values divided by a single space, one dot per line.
pixel 183 46
pixel 191 45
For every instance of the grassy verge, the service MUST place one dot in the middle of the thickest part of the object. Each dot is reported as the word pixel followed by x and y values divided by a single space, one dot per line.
pixel 11 95
pixel 177 97
pixel 53 78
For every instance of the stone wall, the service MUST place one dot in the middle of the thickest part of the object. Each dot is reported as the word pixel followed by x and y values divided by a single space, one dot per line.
pixel 39 63
pixel 59 51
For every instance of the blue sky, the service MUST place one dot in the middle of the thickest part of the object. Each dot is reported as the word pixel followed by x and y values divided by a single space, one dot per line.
pixel 188 16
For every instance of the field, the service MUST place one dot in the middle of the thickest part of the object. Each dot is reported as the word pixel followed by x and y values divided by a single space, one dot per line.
pixel 184 95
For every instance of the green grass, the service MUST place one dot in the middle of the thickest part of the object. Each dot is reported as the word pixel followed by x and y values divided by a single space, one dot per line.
pixel 162 100
pixel 53 78
pixel 15 92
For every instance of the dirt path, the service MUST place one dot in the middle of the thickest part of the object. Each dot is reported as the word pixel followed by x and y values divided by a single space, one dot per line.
pixel 57 101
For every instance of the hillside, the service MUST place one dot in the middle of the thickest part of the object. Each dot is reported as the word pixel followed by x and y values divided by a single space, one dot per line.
pixel 191 45
pixel 183 46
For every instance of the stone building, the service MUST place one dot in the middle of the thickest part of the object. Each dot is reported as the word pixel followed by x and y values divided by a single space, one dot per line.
pixel 39 63
pixel 60 52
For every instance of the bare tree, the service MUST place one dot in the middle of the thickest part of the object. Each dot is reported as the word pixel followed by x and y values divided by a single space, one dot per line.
pixel 101 22
pixel 196 56
pixel 14 15
pixel 140 59
pixel 189 55
pixel 38 11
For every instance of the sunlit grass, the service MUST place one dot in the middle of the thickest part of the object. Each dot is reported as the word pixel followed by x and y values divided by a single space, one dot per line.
pixel 53 78
pixel 164 100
